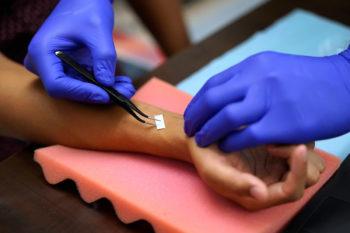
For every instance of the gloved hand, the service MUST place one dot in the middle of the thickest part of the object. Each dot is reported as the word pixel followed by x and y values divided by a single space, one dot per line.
pixel 273 98
pixel 83 29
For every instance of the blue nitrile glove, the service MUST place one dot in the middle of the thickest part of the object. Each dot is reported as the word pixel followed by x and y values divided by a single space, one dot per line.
pixel 273 98
pixel 84 30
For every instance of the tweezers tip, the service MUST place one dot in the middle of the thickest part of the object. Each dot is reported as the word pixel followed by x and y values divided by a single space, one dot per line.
pixel 58 53
pixel 153 118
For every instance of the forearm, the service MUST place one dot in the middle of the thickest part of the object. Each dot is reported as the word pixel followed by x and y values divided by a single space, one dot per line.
pixel 27 112
pixel 165 21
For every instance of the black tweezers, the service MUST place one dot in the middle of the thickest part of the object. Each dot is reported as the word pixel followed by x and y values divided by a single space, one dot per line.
pixel 115 96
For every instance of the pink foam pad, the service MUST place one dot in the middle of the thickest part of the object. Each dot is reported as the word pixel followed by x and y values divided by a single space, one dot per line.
pixel 169 194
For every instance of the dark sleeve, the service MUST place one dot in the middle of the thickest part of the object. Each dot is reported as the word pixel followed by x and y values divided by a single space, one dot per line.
pixel 19 20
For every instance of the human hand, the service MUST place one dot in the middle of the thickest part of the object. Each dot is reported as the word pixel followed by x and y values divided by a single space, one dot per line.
pixel 258 178
pixel 273 98
pixel 83 29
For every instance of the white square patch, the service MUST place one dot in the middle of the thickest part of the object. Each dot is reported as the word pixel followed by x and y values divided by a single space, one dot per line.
pixel 160 124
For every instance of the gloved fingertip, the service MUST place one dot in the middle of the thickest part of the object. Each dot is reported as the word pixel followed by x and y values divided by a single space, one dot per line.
pixel 99 99
pixel 123 79
pixel 200 139
pixel 187 110
pixel 130 87
pixel 105 78
pixel 125 91
pixel 129 94
pixel 188 128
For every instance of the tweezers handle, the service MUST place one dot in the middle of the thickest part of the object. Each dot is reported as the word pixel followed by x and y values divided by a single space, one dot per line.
pixel 115 96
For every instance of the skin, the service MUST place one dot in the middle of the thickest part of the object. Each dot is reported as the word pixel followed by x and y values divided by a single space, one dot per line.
pixel 260 177
pixel 255 178
pixel 165 21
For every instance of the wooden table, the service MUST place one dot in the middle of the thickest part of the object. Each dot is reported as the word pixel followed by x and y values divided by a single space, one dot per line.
pixel 29 205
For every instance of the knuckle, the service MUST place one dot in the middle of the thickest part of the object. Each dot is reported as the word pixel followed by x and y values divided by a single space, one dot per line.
pixel 229 116
pixel 254 134
pixel 263 59
pixel 213 81
pixel 265 55
pixel 95 20
pixel 209 99
pixel 107 54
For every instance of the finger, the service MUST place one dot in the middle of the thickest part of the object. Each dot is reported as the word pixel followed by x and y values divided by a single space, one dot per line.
pixel 126 89
pixel 59 85
pixel 209 104
pixel 313 175
pixel 313 158
pixel 239 140
pixel 283 151
pixel 232 117
pixel 233 182
pixel 219 79
pixel 315 167
pixel 72 89
pixel 124 86
pixel 293 187
pixel 314 162
pixel 104 57
pixel 215 81
pixel 224 178
pixel 123 79
pixel 310 145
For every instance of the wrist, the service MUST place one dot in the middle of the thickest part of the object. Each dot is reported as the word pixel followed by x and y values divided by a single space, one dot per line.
pixel 178 146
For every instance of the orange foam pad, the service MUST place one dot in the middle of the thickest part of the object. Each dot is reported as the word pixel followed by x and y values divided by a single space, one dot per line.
pixel 169 194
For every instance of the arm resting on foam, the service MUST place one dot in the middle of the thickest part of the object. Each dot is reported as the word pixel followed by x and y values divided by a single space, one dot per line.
pixel 255 178
pixel 27 112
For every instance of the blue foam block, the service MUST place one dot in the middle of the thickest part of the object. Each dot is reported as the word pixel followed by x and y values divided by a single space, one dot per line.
pixel 300 32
